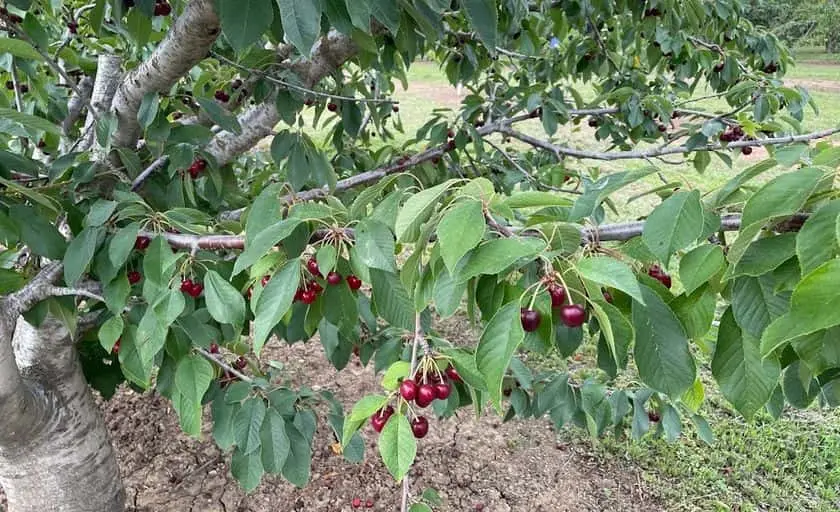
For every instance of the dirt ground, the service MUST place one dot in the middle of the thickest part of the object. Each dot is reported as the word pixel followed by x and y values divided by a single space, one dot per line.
pixel 474 465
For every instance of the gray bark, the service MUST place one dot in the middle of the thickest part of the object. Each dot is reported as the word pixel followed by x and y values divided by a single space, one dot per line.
pixel 55 455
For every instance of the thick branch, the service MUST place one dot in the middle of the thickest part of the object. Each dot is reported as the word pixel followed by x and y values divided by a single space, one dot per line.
pixel 328 55
pixel 187 43
pixel 76 103
pixel 108 74
pixel 662 151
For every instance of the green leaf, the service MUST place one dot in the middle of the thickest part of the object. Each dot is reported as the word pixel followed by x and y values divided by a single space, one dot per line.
pixel 148 109
pixel 297 467
pixel 661 352
pixel 100 212
pixel 417 210
pixel 395 373
pixel 219 115
pixel 110 332
pixel 814 305
pixel 223 414
pixel 393 302
pixel 375 245
pixel 274 302
pixel 746 379
pixel 420 507
pixel 121 245
pixel 612 273
pixel 755 303
pixel 224 302
pixel 247 469
pixel 484 18
pixel 460 231
pixel 673 225
pixel 263 242
pixel 397 446
pixel 193 377
pixel 765 255
pixel 245 21
pixel 362 410
pixel 20 49
pixel 784 195
pixel 158 268
pixel 274 441
pixel 80 253
pixel 817 242
pixel 301 22
pixel 247 424
pixel 499 341
pixel 37 233
pixel 700 265
pixel 535 198
pixel 496 255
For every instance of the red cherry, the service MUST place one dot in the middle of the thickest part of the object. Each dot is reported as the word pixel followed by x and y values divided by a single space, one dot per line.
pixel 665 279
pixel 200 164
pixel 265 279
pixel 240 363
pixel 426 394
pixel 354 282
pixel 187 286
pixel 746 150
pixel 357 502
pixel 655 271
pixel 395 108
pixel 442 390
pixel 142 242
pixel 334 278
pixel 420 427
pixel 380 418
pixel 369 503
pixel 450 134
pixel 315 286
pixel 163 9
pixel 73 27
pixel 134 277
pixel 308 297
pixel 197 289
pixel 453 374
pixel 332 107
pixel 312 266
pixel 214 348
pixel 572 315
pixel 299 295
pixel 408 389
pixel 530 319
pixel 653 416
pixel 607 296
pixel 451 146
pixel 558 295
pixel 116 348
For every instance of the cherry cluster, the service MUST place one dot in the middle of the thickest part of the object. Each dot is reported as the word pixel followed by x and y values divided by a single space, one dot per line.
pixel 656 272
pixel 197 167
pixel 192 288
pixel 357 503
pixel 221 96
pixel 734 134
pixel 571 315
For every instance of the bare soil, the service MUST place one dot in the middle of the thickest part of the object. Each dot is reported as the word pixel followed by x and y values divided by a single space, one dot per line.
pixel 474 465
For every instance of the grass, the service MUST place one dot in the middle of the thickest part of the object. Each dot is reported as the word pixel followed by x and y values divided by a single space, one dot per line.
pixel 790 464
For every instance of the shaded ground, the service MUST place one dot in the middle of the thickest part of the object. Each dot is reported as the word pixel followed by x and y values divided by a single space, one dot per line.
pixel 474 465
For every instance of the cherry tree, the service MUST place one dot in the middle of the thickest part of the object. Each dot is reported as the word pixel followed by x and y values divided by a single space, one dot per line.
pixel 146 239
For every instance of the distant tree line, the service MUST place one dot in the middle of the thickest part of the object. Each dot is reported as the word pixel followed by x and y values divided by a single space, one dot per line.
pixel 800 22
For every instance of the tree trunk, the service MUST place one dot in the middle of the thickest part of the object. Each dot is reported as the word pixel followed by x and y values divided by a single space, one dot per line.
pixel 55 455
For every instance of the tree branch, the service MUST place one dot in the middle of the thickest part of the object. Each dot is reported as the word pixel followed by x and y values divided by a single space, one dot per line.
pixel 76 103
pixel 187 43
pixel 143 176
pixel 657 152
pixel 108 73
pixel 224 366
pixel 329 54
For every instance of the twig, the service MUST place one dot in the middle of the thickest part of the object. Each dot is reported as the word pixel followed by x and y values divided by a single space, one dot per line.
pixel 53 64
pixel 58 291
pixel 224 366
pixel 657 152
pixel 154 166
pixel 299 88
